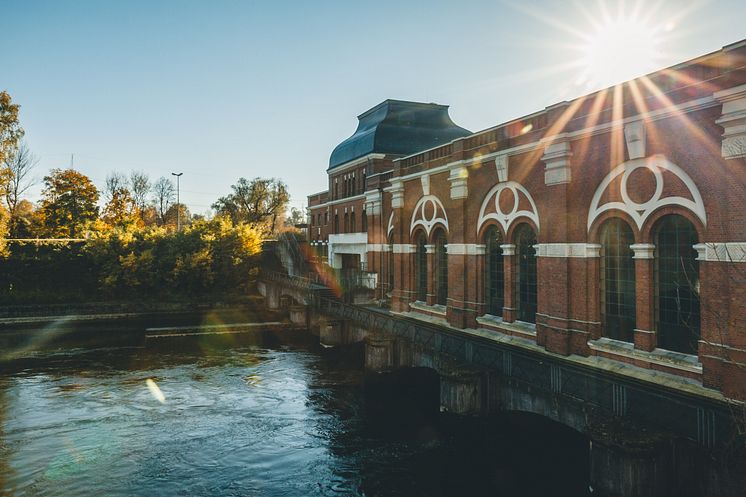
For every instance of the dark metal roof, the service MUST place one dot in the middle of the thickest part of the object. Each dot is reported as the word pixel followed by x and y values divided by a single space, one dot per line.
pixel 398 127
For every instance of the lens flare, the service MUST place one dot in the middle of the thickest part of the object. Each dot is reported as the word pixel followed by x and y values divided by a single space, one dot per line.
pixel 155 391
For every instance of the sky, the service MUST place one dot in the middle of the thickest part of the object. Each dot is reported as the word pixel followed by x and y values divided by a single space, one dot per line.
pixel 224 89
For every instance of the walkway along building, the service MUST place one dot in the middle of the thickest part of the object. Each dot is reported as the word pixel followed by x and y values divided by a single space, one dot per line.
pixel 612 225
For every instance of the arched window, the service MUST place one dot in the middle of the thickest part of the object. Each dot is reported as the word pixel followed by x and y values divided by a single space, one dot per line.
pixel 347 222
pixel 441 268
pixel 494 277
pixel 617 280
pixel 353 223
pixel 365 221
pixel 525 239
pixel 336 223
pixel 420 273
pixel 676 284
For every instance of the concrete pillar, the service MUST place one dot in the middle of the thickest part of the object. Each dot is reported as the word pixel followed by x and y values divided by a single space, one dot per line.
pixel 272 298
pixel 299 314
pixel 629 463
pixel 332 332
pixel 379 353
pixel 461 392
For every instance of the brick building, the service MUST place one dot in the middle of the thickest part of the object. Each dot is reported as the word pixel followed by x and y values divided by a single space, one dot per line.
pixel 611 225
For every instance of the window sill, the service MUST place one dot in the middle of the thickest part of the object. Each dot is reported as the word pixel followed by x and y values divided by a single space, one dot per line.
pixel 661 357
pixel 517 328
pixel 437 309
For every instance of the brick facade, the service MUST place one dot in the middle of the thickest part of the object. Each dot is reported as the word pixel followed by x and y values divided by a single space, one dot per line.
pixel 672 143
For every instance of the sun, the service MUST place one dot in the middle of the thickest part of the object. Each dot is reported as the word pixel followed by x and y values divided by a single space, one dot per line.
pixel 618 50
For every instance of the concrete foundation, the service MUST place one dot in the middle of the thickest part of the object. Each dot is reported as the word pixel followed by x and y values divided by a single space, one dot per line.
pixel 299 315
pixel 461 392
pixel 379 353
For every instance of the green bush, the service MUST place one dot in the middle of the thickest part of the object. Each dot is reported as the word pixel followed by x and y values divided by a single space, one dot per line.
pixel 209 259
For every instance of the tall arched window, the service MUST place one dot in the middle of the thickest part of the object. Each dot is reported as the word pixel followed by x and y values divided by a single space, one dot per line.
pixel 347 222
pixel 525 239
pixel 353 223
pixel 676 284
pixel 420 273
pixel 365 221
pixel 617 280
pixel 441 268
pixel 494 277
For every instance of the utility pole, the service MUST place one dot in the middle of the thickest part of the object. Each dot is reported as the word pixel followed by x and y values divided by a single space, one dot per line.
pixel 178 202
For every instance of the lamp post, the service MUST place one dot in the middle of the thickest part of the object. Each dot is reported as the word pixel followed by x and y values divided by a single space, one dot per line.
pixel 178 202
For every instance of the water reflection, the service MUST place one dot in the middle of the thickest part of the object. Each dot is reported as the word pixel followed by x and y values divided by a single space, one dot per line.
pixel 262 414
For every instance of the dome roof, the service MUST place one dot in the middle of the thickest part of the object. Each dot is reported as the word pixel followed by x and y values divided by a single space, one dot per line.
pixel 398 127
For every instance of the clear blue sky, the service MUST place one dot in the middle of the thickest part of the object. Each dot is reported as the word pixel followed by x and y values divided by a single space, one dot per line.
pixel 224 89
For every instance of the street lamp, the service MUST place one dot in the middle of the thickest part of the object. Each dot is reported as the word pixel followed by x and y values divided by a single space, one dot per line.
pixel 178 203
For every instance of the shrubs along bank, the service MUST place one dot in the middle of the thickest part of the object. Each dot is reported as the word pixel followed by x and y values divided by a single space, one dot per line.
pixel 210 260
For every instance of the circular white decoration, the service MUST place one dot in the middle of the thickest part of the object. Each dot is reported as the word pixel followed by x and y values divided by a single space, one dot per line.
pixel 639 212
pixel 506 219
pixel 419 218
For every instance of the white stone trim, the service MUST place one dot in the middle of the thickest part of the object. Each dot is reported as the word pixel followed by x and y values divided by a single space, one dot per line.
pixel 418 214
pixel 397 193
pixel 506 219
pixel 721 251
pixel 339 201
pixel 557 159
pixel 465 249
pixel 508 248
pixel 373 202
pixel 390 227
pixel 640 212
pixel 379 247
pixel 634 137
pixel 568 250
pixel 502 165
pixel 425 180
pixel 429 249
pixel 404 248
pixel 643 250
pixel 733 121
pixel 355 162
pixel 458 178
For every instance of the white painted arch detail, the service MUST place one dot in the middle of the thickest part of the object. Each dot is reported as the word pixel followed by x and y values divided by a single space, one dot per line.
pixel 639 212
pixel 506 218
pixel 419 217
pixel 390 227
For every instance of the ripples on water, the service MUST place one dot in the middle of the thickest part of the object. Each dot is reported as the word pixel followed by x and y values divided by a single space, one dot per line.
pixel 243 420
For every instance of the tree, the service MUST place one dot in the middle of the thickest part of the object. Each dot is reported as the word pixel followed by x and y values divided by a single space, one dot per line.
pixel 10 128
pixel 19 164
pixel 296 217
pixel 163 197
pixel 140 188
pixel 68 203
pixel 184 217
pixel 120 210
pixel 114 183
pixel 260 202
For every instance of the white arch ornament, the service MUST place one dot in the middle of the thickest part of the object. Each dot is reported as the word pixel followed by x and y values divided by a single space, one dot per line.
pixel 419 218
pixel 639 212
pixel 390 227
pixel 506 219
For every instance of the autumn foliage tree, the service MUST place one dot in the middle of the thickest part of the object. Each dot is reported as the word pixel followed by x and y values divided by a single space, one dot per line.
pixel 69 203
pixel 260 202
pixel 10 127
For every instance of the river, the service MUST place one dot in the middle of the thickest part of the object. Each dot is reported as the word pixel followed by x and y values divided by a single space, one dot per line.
pixel 262 414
